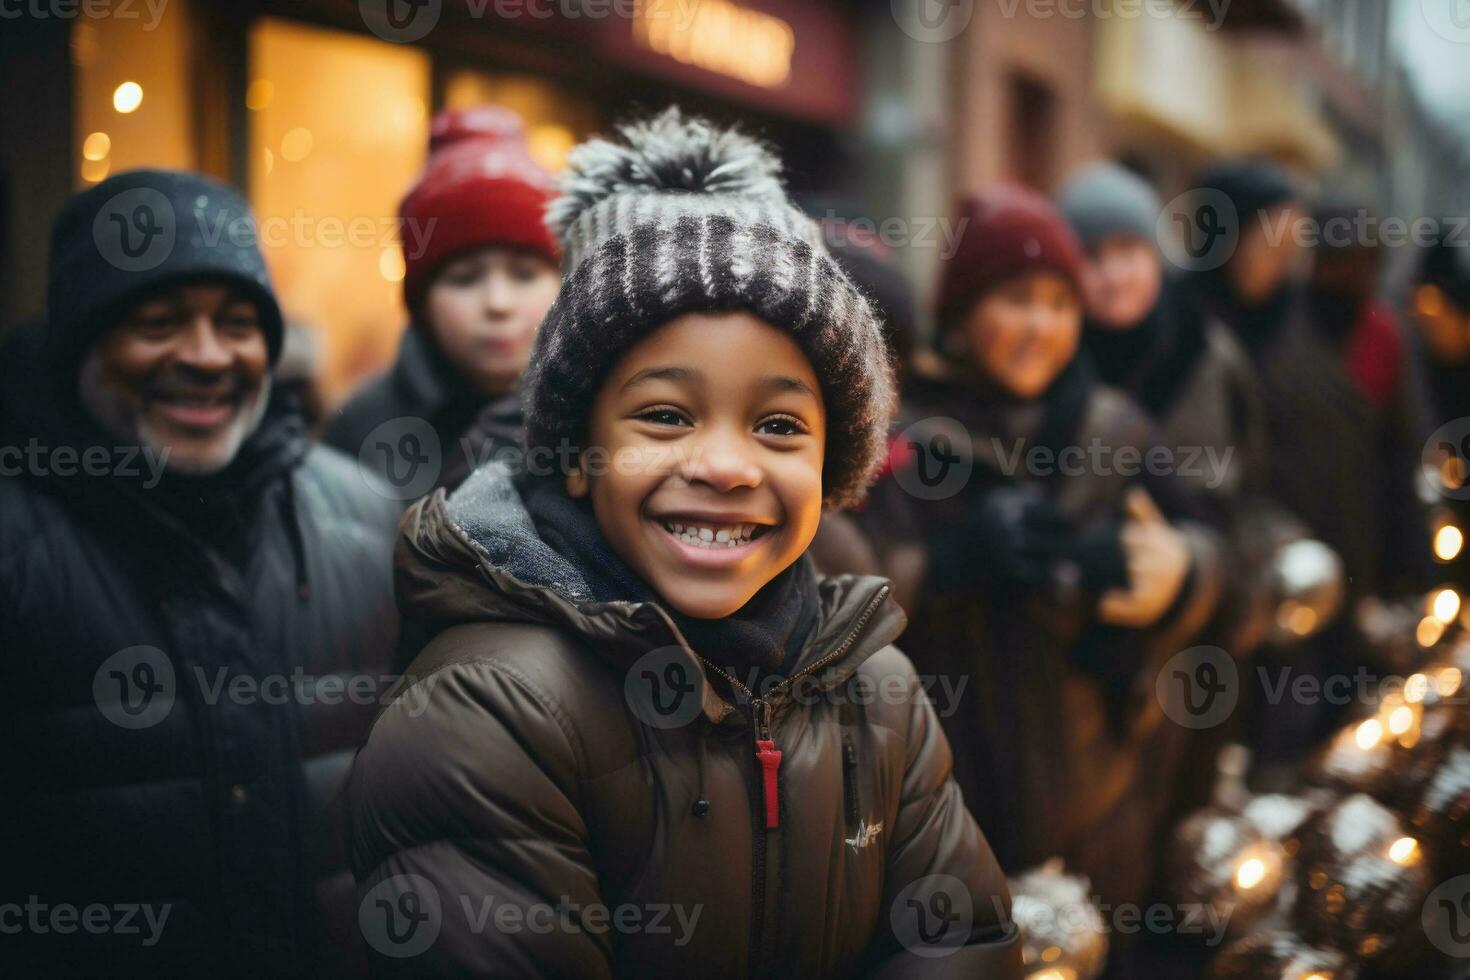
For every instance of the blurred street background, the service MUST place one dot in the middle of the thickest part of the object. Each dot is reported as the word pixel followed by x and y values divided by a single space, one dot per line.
pixel 884 111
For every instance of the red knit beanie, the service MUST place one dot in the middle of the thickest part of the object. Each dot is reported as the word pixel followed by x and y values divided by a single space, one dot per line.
pixel 1006 231
pixel 479 187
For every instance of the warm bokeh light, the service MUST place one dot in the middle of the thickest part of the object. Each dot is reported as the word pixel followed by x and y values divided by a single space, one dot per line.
pixel 1403 851
pixel 1445 605
pixel 1429 631
pixel 1298 619
pixel 96 146
pixel 259 95
pixel 296 144
pixel 1448 542
pixel 1401 719
pixel 95 170
pixel 1369 733
pixel 1415 688
pixel 1250 873
pixel 549 144
pixel 390 264
pixel 127 97
pixel 1448 681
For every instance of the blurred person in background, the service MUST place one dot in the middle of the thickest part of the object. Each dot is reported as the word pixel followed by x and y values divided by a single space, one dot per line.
pixel 1441 317
pixel 1193 377
pixel 1329 359
pixel 186 588
pixel 481 272
pixel 1048 590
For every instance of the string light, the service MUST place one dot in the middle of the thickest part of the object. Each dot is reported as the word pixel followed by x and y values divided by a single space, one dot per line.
pixel 1445 605
pixel 1403 851
pixel 1448 541
pixel 127 97
pixel 1369 733
pixel 1250 874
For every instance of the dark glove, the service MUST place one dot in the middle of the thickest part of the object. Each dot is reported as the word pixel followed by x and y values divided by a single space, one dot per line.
pixel 1012 535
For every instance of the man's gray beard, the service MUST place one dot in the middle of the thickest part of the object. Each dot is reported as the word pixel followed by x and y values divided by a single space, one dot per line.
pixel 109 410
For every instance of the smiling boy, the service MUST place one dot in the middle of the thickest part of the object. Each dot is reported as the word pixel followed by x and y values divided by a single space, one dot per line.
pixel 642 693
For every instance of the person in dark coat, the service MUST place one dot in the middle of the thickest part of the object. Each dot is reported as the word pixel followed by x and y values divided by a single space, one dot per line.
pixel 1050 567
pixel 196 611
pixel 1343 454
pixel 481 272
pixel 724 383
pixel 1189 372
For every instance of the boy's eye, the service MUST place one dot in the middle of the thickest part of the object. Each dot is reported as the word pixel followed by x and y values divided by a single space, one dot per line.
pixel 663 416
pixel 781 425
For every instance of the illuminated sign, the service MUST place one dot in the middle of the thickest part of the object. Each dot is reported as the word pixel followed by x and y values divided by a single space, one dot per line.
pixel 718 36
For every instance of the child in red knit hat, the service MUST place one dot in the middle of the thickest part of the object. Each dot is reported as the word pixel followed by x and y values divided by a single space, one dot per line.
pixel 481 270
pixel 1039 557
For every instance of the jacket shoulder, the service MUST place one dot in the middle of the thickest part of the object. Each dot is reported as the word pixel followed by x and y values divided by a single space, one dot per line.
pixel 535 669
pixel 342 487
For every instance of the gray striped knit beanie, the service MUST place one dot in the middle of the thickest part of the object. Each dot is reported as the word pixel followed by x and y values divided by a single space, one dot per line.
pixel 682 217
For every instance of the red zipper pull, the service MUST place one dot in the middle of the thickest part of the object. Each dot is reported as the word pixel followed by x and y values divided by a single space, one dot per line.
pixel 770 759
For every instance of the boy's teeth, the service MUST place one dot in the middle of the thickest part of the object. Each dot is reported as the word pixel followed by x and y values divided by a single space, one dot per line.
pixel 711 536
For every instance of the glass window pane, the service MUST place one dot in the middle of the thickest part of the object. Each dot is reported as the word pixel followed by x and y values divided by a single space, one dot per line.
pixel 338 130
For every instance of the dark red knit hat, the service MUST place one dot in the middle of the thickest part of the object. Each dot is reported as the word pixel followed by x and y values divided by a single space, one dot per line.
pixel 479 187
pixel 1006 231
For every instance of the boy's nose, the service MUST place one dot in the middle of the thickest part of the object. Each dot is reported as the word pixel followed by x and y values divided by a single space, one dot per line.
pixel 724 461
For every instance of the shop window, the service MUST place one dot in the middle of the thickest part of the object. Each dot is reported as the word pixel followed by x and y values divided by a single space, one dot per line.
pixel 555 119
pixel 131 106
pixel 338 130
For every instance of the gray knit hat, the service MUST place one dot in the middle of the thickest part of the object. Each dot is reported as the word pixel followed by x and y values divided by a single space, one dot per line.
pixel 1106 199
pixel 684 217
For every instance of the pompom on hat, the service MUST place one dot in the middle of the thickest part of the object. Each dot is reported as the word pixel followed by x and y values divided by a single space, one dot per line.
pixel 479 187
pixel 682 216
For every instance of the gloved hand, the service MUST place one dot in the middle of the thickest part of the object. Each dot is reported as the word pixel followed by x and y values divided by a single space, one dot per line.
pixel 1012 535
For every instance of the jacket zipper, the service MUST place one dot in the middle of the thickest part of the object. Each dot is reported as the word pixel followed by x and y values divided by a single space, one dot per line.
pixel 769 759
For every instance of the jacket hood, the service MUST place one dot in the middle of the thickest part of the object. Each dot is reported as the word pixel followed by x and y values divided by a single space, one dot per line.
pixel 476 556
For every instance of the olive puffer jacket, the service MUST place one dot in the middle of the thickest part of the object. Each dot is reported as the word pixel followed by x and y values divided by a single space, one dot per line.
pixel 537 802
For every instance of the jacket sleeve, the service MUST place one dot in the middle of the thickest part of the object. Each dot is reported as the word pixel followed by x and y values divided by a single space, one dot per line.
pixel 946 910
pixel 464 805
